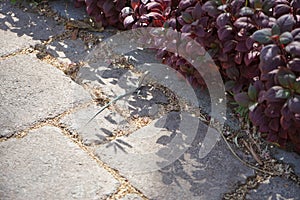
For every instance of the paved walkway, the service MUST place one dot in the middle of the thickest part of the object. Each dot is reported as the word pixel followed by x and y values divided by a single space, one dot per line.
pixel 140 148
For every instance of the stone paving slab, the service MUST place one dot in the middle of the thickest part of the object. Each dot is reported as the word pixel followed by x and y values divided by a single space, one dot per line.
pixel 31 91
pixel 291 158
pixel 45 164
pixel 97 131
pixel 131 197
pixel 149 159
pixel 68 51
pixel 67 9
pixel 19 29
pixel 275 189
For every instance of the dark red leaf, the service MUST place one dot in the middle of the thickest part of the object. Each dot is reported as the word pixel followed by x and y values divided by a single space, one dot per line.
pixel 197 11
pixel 285 77
pixel 277 94
pixel 246 11
pixel 225 33
pixel 294 64
pixel 242 99
pixel 286 23
pixel 293 48
pixel 262 36
pixel 274 124
pixel 269 52
pixel 294 104
pixel 281 9
pixel 286 38
pixel 244 22
pixel 229 45
pixel 233 73
pixel 223 19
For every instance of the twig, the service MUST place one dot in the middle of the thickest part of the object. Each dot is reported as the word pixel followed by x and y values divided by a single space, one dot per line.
pixel 141 80
pixel 242 161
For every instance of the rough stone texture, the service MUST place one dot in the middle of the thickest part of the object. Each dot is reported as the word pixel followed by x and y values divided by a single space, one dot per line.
pixel 162 160
pixel 31 91
pixel 68 51
pixel 288 157
pixel 67 9
pixel 19 30
pixel 144 60
pixel 97 130
pixel 131 197
pixel 276 189
pixel 115 81
pixel 47 165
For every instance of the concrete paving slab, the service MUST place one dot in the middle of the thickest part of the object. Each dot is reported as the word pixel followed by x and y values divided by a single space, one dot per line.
pixel 113 81
pixel 19 29
pixel 68 51
pixel 274 189
pixel 31 91
pixel 131 197
pixel 45 164
pixel 291 158
pixel 98 130
pixel 162 160
pixel 66 9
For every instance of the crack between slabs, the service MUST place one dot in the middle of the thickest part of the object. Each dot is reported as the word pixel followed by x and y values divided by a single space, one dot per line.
pixel 124 188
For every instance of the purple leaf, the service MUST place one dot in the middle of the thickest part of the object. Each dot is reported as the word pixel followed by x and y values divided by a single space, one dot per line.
pixel 256 115
pixel 262 36
pixel 252 93
pixel 294 64
pixel 294 104
pixel 233 73
pixel 211 8
pixel 242 99
pixel 273 63
pixel 229 45
pixel 267 5
pixel 286 23
pixel 296 87
pixel 281 9
pixel 241 47
pixel 128 21
pixel 246 11
pixel 277 94
pixel 229 85
pixel 269 52
pixel 249 43
pixel 223 19
pixel 187 17
pixel 197 11
pixel 262 20
pixel 107 7
pixel 286 38
pixel 273 110
pixel 285 124
pixel 185 4
pixel 296 34
pixel 274 124
pixel 285 77
pixel 238 58
pixel 250 57
pixel 295 4
pixel 275 29
pixel 225 33
pixel 244 22
pixel 293 48
pixel 286 113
